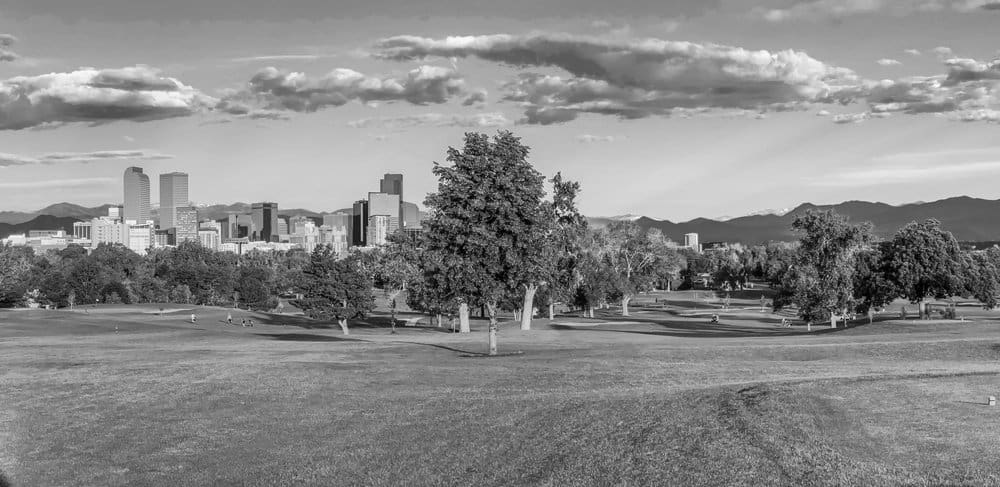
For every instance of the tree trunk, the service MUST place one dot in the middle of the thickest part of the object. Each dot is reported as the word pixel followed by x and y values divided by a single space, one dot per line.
pixel 922 309
pixel 809 326
pixel 439 320
pixel 491 309
pixel 393 318
pixel 552 311
pixel 343 326
pixel 463 318
pixel 833 320
pixel 528 307
pixel 625 300
pixel 591 311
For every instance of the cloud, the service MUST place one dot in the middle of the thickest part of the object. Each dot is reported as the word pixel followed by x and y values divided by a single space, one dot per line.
pixel 969 91
pixel 942 51
pixel 137 93
pixel 7 55
pixel 637 78
pixel 7 160
pixel 816 10
pixel 851 117
pixel 491 119
pixel 58 183
pixel 589 139
pixel 127 138
pixel 478 96
pixel 888 62
pixel 886 175
pixel 273 89
pixel 912 52
pixel 823 113
pixel 279 57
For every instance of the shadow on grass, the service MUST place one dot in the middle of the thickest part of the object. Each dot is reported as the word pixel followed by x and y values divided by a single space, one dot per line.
pixel 697 330
pixel 450 349
pixel 306 337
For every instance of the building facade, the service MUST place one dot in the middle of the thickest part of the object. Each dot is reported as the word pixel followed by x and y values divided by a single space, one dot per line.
pixel 136 203
pixel 359 224
pixel 186 223
pixel 173 195
pixel 265 222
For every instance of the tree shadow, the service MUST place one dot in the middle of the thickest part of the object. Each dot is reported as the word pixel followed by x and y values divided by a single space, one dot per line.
pixel 693 329
pixel 306 337
pixel 450 349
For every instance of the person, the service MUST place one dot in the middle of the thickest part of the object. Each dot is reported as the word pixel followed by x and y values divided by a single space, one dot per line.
pixel 250 321
pixel 193 318
pixel 715 318
pixel 243 321
pixel 229 317
pixel 784 323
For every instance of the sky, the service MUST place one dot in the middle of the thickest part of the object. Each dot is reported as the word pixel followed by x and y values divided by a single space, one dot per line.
pixel 672 110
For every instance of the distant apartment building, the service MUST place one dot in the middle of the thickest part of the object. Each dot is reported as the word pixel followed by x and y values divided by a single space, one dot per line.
pixel 136 203
pixel 691 241
pixel 186 223
pixel 82 230
pixel 173 195
pixel 141 236
pixel 209 238
pixel 411 216
pixel 379 229
pixel 283 227
pixel 385 204
pixel 393 184
pixel 359 224
pixel 265 222
pixel 306 235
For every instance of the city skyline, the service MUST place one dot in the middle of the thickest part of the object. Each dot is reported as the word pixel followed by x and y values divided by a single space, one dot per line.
pixel 845 100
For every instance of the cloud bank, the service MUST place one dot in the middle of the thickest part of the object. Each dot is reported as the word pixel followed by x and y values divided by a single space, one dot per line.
pixel 637 78
pixel 833 9
pixel 8 160
pixel 477 120
pixel 137 93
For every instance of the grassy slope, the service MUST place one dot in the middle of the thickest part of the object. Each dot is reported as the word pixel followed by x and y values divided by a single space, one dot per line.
pixel 666 399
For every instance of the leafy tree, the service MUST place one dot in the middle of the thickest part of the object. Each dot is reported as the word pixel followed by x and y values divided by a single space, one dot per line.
pixel 428 292
pixel 596 282
pixel 821 282
pixel 924 260
pixel 633 254
pixel 396 269
pixel 982 276
pixel 15 268
pixel 487 224
pixel 565 244
pixel 334 289
pixel 253 289
pixel 872 287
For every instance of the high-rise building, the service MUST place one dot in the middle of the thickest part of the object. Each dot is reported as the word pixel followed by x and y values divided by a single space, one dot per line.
pixel 283 226
pixel 136 205
pixel 385 204
pixel 116 212
pixel 379 229
pixel 265 222
pixel 173 194
pixel 359 224
pixel 186 224
pixel 141 236
pixel 393 184
pixel 411 216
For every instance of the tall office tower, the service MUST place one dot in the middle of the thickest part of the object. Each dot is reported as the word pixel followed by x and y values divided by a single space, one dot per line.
pixel 393 184
pixel 115 212
pixel 265 222
pixel 186 224
pixel 283 226
pixel 385 204
pixel 136 207
pixel 378 229
pixel 411 216
pixel 173 194
pixel 359 224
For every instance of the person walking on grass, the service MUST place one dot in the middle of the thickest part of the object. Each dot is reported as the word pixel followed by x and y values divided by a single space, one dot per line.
pixel 229 317
pixel 243 321
pixel 194 318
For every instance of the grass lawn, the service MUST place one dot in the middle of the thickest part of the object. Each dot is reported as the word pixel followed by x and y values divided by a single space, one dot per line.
pixel 122 396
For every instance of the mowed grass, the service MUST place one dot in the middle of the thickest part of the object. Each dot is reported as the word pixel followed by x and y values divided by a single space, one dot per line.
pixel 123 396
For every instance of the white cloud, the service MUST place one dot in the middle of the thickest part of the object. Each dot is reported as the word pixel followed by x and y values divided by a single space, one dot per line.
pixel 851 117
pixel 823 113
pixel 638 78
pixel 273 89
pixel 589 139
pixel 942 51
pixel 6 55
pixel 280 57
pixel 888 62
pixel 879 176
pixel 492 119
pixel 137 93
pixel 7 160
pixel 58 183
pixel 912 52
pixel 816 10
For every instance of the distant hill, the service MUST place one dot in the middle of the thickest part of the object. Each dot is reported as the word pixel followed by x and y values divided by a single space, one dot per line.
pixel 969 219
pixel 62 210
pixel 43 222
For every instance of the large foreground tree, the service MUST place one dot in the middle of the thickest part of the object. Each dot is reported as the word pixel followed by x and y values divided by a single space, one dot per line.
pixel 487 225
pixel 923 261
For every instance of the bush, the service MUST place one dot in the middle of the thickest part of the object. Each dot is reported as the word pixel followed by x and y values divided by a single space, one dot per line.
pixel 3 480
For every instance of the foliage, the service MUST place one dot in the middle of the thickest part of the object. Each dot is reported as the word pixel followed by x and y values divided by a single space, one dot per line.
pixel 334 289
pixel 923 260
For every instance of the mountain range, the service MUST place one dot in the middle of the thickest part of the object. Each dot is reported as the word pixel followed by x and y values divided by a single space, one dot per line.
pixel 969 219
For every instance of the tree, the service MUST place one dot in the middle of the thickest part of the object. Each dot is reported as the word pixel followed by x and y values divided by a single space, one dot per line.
pixel 15 267
pixel 872 288
pixel 487 224
pixel 396 268
pixel 632 254
pixel 334 289
pixel 564 245
pixel 923 260
pixel 596 282
pixel 982 276
pixel 821 281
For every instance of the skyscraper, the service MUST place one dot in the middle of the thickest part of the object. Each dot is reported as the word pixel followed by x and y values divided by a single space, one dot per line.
pixel 173 194
pixel 136 207
pixel 393 184
pixel 388 205
pixel 265 222
pixel 186 223
pixel 359 226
